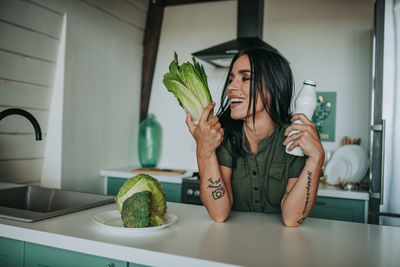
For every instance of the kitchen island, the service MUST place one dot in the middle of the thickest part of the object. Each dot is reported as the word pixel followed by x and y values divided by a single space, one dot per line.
pixel 246 239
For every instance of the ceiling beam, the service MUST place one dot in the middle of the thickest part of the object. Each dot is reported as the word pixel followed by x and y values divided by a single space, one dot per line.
pixel 150 46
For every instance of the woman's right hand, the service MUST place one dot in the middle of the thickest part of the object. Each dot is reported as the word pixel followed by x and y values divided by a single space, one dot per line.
pixel 208 134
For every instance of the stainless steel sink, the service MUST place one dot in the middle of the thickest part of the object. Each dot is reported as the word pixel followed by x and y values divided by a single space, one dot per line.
pixel 34 203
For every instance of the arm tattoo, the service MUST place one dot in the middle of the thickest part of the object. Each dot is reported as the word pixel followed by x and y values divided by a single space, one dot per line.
pixel 218 190
pixel 285 195
pixel 308 187
pixel 301 220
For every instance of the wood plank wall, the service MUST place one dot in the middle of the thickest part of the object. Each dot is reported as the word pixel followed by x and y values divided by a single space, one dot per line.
pixel 29 40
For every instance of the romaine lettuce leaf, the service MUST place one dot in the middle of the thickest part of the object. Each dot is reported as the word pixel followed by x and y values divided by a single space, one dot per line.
pixel 188 83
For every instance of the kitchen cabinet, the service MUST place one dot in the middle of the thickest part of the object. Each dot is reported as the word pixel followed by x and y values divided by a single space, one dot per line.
pixel 11 252
pixel 15 253
pixel 352 210
pixel 172 190
pixel 39 255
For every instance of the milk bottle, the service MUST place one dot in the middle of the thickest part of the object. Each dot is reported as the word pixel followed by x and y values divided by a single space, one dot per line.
pixel 306 102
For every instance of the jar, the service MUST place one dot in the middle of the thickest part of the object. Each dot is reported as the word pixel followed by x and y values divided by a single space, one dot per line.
pixel 306 102
pixel 149 141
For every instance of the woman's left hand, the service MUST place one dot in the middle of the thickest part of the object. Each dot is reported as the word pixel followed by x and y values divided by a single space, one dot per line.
pixel 307 138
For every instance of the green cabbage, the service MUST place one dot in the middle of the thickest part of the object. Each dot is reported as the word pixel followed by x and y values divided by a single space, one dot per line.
pixel 188 83
pixel 140 183
pixel 136 210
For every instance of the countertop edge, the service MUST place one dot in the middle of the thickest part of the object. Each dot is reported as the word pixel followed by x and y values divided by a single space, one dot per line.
pixel 336 193
pixel 176 179
pixel 102 249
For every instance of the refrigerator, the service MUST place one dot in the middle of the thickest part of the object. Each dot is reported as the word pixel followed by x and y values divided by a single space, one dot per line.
pixel 384 203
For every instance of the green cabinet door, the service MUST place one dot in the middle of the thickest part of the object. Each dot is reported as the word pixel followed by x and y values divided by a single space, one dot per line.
pixel 11 252
pixel 172 190
pixel 39 255
pixel 341 209
pixel 114 184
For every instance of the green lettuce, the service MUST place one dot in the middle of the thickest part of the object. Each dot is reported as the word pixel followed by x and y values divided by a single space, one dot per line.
pixel 188 83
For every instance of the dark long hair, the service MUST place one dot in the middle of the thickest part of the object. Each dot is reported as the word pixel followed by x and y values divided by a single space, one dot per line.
pixel 269 69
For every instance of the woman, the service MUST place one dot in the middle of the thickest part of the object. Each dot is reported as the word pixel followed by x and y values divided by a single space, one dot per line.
pixel 241 154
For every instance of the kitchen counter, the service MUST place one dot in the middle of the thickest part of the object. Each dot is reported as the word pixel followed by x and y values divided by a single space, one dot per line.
pixel 333 191
pixel 250 239
pixel 9 185
pixel 323 190
pixel 126 172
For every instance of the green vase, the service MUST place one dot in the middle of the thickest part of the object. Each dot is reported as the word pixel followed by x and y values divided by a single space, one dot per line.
pixel 149 141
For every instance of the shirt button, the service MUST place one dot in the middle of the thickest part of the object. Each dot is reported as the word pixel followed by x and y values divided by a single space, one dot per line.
pixel 255 188
pixel 256 201
pixel 254 172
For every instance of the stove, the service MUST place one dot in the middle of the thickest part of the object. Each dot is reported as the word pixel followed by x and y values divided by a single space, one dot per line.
pixel 191 190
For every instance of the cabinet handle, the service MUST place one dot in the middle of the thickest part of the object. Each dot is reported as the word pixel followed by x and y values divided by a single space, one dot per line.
pixel 379 128
pixel 320 202
pixel 383 159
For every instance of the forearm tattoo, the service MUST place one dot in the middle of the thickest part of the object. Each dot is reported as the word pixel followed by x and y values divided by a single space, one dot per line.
pixel 308 188
pixel 301 220
pixel 285 195
pixel 218 189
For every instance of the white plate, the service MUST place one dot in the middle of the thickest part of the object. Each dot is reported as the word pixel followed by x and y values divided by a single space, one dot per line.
pixel 358 159
pixel 112 221
pixel 337 170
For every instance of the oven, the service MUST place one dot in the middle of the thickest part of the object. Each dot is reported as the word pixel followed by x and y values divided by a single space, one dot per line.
pixel 191 190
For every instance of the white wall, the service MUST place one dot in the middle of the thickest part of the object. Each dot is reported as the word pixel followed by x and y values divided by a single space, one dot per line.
pixel 326 41
pixel 103 57
pixel 52 162
pixel 186 29
pixel 101 98
pixel 329 42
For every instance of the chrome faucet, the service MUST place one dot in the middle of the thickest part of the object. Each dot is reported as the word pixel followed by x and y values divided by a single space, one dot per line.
pixel 26 114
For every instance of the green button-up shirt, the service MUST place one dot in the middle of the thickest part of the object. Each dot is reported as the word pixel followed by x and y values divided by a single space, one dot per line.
pixel 259 181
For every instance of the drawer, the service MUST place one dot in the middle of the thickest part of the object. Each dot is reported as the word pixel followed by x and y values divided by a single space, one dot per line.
pixel 38 255
pixel 341 209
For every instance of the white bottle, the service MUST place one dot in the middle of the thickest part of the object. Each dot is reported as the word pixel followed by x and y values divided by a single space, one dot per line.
pixel 306 102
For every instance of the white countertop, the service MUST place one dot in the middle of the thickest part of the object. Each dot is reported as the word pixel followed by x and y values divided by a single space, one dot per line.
pixel 126 172
pixel 9 185
pixel 246 239
pixel 323 190
pixel 332 191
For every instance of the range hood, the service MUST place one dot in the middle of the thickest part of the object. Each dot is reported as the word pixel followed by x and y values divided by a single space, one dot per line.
pixel 249 34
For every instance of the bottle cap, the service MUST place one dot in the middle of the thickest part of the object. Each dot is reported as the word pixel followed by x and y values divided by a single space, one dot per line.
pixel 309 82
